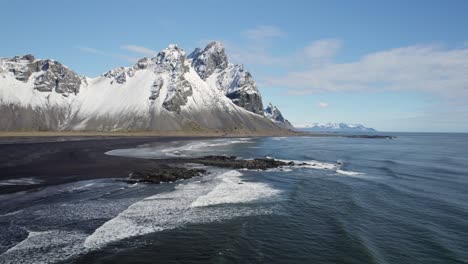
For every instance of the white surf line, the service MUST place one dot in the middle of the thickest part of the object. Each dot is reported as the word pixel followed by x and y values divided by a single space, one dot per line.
pixel 349 173
pixel 313 164
pixel 194 202
pixel 185 150
pixel 45 247
pixel 20 181
pixel 47 244
pixel 233 190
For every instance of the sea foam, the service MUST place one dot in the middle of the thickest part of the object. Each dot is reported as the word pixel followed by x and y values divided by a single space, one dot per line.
pixel 177 149
pixel 192 202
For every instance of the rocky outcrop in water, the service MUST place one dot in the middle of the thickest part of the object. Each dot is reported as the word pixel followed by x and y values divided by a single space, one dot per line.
pixel 167 173
pixel 235 163
pixel 163 173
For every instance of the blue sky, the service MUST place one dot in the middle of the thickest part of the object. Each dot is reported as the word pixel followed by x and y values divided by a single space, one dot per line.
pixel 392 65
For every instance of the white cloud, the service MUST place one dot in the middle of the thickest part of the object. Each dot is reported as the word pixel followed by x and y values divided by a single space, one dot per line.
pixel 323 105
pixel 107 54
pixel 324 48
pixel 424 68
pixel 89 50
pixel 263 32
pixel 257 53
pixel 139 49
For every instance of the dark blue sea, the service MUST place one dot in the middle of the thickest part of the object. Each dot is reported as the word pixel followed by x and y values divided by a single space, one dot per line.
pixel 359 200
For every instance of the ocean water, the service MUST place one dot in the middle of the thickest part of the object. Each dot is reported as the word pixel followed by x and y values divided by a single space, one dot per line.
pixel 359 200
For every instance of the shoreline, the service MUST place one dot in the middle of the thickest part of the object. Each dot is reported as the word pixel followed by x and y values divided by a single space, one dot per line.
pixel 17 137
pixel 64 161
pixel 57 158
pixel 201 134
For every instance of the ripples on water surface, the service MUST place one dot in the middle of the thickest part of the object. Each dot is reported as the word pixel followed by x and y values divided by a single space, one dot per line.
pixel 363 201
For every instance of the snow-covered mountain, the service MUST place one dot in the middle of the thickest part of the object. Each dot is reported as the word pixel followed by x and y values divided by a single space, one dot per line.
pixel 335 127
pixel 169 92
pixel 274 114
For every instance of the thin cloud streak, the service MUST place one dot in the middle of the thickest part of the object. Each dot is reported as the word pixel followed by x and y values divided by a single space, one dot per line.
pixel 107 54
pixel 257 53
pixel 323 48
pixel 141 50
pixel 263 32
pixel 323 105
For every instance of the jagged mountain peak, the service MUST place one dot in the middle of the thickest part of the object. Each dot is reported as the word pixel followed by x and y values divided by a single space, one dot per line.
pixel 271 108
pixel 212 65
pixel 274 114
pixel 212 58
pixel 45 75
pixel 26 57
pixel 172 56
pixel 171 59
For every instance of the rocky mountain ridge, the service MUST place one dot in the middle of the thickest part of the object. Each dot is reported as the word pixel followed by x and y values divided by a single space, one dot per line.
pixel 168 92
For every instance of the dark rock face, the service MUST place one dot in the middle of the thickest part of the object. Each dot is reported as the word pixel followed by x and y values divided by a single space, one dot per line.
pixel 155 88
pixel 207 61
pixel 233 162
pixel 274 114
pixel 250 102
pixel 371 136
pixel 53 76
pixel 22 67
pixel 56 77
pixel 141 64
pixel 27 57
pixel 181 91
pixel 118 74
pixel 163 173
pixel 172 60
pixel 236 83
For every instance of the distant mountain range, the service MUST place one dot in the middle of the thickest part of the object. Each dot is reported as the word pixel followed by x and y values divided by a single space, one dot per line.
pixel 169 92
pixel 335 127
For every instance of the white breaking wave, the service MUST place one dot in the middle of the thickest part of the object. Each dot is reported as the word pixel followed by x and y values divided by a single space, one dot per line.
pixel 191 202
pixel 318 165
pixel 233 190
pixel 218 196
pixel 349 173
pixel 311 164
pixel 188 149
pixel 20 181
pixel 45 247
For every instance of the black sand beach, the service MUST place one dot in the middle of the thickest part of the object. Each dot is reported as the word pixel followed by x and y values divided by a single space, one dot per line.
pixel 52 161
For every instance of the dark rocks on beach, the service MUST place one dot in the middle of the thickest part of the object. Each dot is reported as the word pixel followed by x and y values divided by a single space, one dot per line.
pixel 372 136
pixel 234 163
pixel 163 173
pixel 166 173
